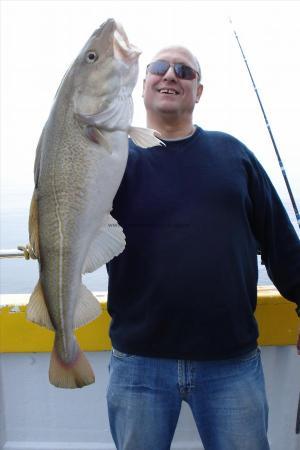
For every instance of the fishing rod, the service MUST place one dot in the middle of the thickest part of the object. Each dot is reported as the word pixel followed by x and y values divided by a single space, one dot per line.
pixel 281 168
pixel 269 130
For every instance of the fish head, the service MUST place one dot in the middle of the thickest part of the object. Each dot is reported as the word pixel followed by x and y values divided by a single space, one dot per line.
pixel 105 73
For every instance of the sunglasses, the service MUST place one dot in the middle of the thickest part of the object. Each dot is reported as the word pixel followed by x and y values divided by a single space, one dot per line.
pixel 160 67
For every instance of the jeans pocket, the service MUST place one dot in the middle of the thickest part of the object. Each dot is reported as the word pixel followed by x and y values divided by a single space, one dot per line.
pixel 249 356
pixel 121 355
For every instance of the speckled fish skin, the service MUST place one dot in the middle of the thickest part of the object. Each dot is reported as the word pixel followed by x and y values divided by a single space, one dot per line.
pixel 77 174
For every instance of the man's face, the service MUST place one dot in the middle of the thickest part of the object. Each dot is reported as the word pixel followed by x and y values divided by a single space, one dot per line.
pixel 182 94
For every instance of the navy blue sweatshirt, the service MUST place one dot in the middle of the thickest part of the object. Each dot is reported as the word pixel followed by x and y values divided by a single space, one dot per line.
pixel 194 214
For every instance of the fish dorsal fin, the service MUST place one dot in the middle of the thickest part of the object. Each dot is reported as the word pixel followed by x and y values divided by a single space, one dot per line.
pixel 38 157
pixel 34 225
pixel 144 137
pixel 109 242
pixel 87 308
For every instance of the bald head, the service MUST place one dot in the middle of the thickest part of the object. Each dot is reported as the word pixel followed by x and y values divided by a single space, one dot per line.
pixel 170 98
pixel 194 63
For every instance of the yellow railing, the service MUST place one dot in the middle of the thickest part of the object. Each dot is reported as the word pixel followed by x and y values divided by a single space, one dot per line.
pixel 277 319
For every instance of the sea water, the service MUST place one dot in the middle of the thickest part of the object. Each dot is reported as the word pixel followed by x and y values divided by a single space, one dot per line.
pixel 20 276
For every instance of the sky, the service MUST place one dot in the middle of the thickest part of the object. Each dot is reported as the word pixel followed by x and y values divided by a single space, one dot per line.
pixel 40 39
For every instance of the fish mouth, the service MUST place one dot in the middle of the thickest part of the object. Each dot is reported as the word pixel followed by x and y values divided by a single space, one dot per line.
pixel 112 33
pixel 123 50
pixel 106 30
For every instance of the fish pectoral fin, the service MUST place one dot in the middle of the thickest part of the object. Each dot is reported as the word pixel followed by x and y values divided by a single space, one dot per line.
pixel 109 242
pixel 94 134
pixel 144 137
pixel 34 225
pixel 36 310
pixel 87 308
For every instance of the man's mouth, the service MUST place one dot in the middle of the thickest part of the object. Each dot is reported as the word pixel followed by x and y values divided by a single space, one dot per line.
pixel 168 91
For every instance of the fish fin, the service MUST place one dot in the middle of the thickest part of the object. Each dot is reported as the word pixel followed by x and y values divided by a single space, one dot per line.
pixel 144 137
pixel 37 161
pixel 36 310
pixel 87 309
pixel 76 374
pixel 109 242
pixel 95 135
pixel 34 225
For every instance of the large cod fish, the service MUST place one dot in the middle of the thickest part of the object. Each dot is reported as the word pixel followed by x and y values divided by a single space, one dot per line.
pixel 80 161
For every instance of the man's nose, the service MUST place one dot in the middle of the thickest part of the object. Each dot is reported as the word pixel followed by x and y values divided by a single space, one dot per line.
pixel 170 74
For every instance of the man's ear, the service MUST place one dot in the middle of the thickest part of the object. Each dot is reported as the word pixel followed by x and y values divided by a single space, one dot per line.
pixel 144 81
pixel 199 92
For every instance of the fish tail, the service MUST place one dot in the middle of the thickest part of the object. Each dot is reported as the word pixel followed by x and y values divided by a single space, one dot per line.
pixel 74 373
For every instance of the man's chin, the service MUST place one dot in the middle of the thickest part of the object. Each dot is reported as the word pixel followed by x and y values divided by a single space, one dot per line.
pixel 168 109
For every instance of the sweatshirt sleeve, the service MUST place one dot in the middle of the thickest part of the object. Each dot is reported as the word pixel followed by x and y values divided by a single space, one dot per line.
pixel 275 234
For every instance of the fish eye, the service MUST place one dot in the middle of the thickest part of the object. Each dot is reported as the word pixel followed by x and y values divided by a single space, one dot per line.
pixel 91 56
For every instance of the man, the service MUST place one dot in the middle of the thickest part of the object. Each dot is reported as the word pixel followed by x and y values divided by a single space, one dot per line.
pixel 183 292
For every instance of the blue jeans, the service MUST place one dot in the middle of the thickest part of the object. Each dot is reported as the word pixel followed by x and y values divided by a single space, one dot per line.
pixel 227 399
